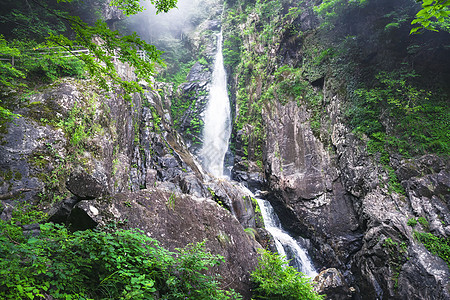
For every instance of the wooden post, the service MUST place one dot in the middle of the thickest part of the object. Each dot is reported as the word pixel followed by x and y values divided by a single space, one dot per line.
pixel 12 61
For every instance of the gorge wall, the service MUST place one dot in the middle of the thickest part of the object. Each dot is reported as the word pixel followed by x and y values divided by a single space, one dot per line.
pixel 91 159
pixel 295 84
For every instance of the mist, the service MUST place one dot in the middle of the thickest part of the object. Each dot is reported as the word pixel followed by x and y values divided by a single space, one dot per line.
pixel 174 24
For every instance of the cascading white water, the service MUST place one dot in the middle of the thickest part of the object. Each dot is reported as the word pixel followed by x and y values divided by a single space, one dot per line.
pixel 217 122
pixel 286 245
pixel 216 134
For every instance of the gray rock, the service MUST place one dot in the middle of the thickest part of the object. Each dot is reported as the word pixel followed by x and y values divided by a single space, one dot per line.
pixel 331 282
pixel 85 186
pixel 424 270
pixel 177 220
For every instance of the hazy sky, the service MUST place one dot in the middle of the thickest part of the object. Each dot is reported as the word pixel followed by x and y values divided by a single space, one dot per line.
pixel 172 24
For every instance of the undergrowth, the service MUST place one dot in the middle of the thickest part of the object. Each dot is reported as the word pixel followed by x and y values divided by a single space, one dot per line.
pixel 125 264
pixel 398 117
pixel 273 279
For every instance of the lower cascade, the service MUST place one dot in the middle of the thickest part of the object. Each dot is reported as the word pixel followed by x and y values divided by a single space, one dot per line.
pixel 286 245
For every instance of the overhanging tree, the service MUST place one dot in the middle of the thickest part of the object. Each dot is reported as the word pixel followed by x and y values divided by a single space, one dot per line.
pixel 65 31
pixel 434 14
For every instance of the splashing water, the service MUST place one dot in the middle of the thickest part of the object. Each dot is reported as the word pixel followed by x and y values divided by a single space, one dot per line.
pixel 286 245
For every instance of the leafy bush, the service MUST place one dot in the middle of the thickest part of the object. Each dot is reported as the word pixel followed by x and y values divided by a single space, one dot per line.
pixel 398 117
pixel 412 222
pixel 330 10
pixel 275 280
pixel 36 62
pixel 51 66
pixel 232 49
pixel 424 222
pixel 436 245
pixel 124 264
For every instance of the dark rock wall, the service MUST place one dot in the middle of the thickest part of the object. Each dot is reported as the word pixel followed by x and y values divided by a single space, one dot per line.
pixel 122 147
pixel 322 181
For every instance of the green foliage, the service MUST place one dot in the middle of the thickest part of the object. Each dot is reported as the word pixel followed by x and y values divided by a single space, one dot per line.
pixel 424 222
pixel 251 232
pixel 290 85
pixel 32 20
pixel 171 201
pixel 124 264
pixel 179 76
pixel 23 214
pixel 105 45
pixel 418 119
pixel 411 222
pixel 80 124
pixel 330 10
pixel 8 73
pixel 32 64
pixel 36 62
pixel 232 48
pixel 217 199
pixel 6 115
pixel 275 280
pixel 397 252
pixel 434 14
pixel 436 245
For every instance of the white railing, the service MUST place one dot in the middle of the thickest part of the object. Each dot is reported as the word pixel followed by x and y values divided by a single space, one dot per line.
pixel 68 53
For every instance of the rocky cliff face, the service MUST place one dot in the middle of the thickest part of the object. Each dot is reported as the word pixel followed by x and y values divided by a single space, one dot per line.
pixel 320 174
pixel 92 160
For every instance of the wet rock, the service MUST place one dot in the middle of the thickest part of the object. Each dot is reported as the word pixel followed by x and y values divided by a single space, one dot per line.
pixel 236 200
pixel 191 185
pixel 6 213
pixel 32 230
pixel 414 276
pixel 177 220
pixel 85 186
pixel 197 73
pixel 331 282
pixel 265 239
pixel 339 202
pixel 253 180
pixel 60 212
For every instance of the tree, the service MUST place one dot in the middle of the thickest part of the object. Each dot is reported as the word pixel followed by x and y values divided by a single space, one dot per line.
pixel 434 14
pixel 57 29
pixel 432 9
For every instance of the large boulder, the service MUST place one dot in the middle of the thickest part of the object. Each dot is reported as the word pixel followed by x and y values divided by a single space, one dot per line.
pixel 331 282
pixel 177 220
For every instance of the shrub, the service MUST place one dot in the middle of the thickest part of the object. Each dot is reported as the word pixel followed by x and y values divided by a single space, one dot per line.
pixel 412 222
pixel 436 245
pixel 276 280
pixel 423 222
pixel 125 264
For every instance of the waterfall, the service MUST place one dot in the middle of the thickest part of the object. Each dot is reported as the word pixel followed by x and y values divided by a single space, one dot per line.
pixel 216 134
pixel 286 245
pixel 217 122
